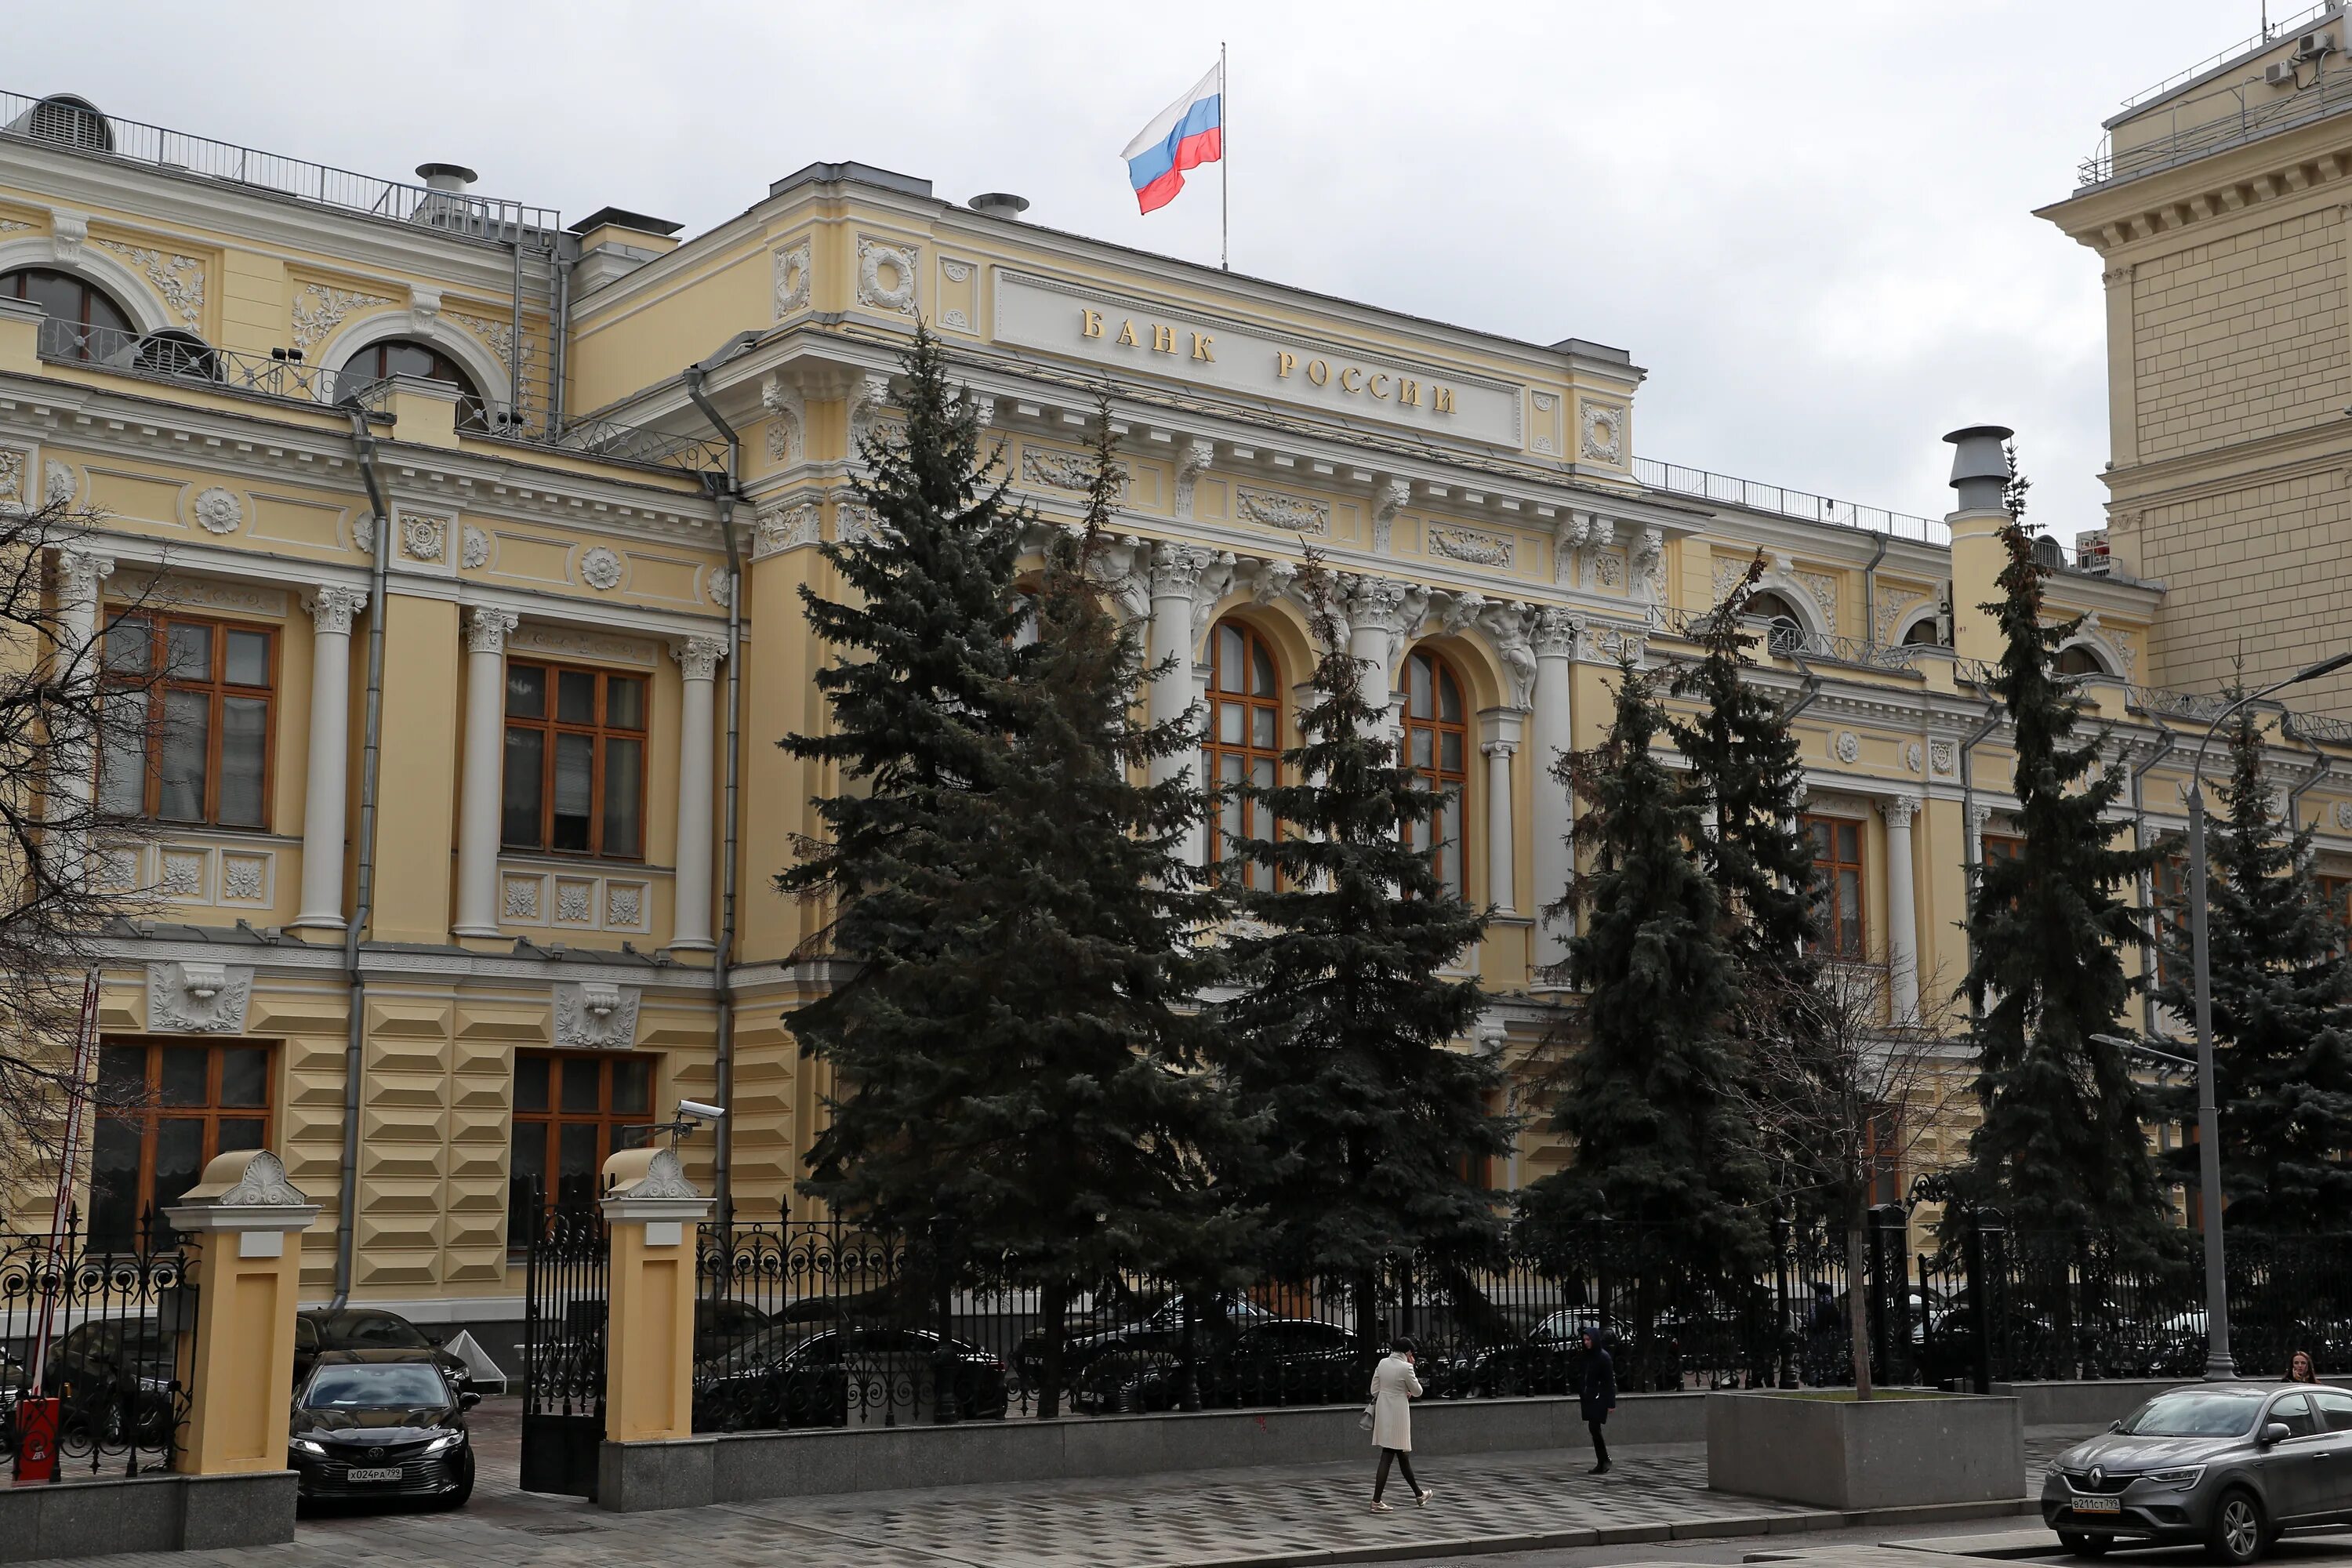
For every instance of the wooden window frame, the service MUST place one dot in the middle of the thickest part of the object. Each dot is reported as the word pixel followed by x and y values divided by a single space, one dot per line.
pixel 1827 866
pixel 153 1112
pixel 608 1122
pixel 1437 728
pixel 1214 751
pixel 157 684
pixel 601 729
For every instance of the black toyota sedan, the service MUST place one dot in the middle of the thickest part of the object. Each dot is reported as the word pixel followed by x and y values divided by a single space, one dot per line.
pixel 369 1424
pixel 2233 1464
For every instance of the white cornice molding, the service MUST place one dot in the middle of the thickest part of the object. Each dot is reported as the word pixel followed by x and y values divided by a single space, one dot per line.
pixel 295 960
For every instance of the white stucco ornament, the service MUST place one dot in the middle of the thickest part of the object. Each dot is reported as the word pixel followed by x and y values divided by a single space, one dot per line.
pixel 219 512
pixel 601 569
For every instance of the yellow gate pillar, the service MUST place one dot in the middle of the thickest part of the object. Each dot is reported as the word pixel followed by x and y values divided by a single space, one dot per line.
pixel 244 1224
pixel 649 1459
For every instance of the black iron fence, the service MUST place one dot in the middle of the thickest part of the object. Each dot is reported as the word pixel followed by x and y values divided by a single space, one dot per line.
pixel 818 1324
pixel 567 1269
pixel 91 1381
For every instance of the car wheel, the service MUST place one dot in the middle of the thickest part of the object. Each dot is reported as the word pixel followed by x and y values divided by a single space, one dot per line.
pixel 2239 1531
pixel 2086 1545
pixel 457 1500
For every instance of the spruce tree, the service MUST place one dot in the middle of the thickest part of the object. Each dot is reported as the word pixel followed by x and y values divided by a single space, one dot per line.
pixel 2060 1146
pixel 1343 1034
pixel 1746 764
pixel 2282 990
pixel 1649 1091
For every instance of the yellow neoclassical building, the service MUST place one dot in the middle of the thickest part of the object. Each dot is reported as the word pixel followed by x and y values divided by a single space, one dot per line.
pixel 540 497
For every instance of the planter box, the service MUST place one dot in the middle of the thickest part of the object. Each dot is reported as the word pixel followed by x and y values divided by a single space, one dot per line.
pixel 1850 1456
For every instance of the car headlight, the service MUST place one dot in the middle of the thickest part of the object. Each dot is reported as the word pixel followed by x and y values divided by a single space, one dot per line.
pixel 444 1443
pixel 304 1446
pixel 2181 1478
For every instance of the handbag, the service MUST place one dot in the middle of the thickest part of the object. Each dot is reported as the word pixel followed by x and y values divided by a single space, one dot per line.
pixel 1364 1422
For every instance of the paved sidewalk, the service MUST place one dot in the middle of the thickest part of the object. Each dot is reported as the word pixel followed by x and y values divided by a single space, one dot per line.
pixel 1295 1514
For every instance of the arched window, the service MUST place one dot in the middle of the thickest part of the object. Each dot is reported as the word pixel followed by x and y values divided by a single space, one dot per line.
pixel 1245 741
pixel 1437 745
pixel 406 356
pixel 2080 660
pixel 82 318
pixel 1783 627
pixel 1922 634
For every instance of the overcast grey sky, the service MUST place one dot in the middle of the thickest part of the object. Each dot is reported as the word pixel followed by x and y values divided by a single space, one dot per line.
pixel 1810 221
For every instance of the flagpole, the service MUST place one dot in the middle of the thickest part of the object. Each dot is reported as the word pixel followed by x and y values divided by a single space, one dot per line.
pixel 1225 164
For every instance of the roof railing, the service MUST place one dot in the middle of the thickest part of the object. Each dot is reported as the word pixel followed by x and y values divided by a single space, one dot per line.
pixel 1785 503
pixel 62 121
pixel 2221 58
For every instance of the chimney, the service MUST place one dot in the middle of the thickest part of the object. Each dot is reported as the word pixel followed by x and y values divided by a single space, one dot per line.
pixel 999 203
pixel 452 177
pixel 1979 473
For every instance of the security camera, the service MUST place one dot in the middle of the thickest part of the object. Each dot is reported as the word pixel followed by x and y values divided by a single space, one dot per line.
pixel 697 1110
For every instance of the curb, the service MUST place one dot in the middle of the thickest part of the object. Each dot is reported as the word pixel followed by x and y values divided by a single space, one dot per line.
pixel 1633 1534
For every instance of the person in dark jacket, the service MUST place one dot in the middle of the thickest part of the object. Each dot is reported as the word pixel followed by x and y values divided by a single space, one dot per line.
pixel 1600 1397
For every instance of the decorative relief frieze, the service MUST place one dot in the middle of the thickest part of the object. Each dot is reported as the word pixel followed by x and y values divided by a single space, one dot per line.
pixel 1846 745
pixel 1911 758
pixel 1192 461
pixel 885 273
pixel 1609 570
pixel 787 421
pixel 1545 441
pixel 1603 427
pixel 175 592
pixel 790 267
pixel 854 523
pixel 596 1015
pixel 198 998
pixel 59 485
pixel 243 877
pixel 1386 501
pixel 575 902
pixel 519 901
pixel 318 311
pixel 1822 589
pixel 219 512
pixel 600 568
pixel 624 906
pixel 2344 815
pixel 1474 546
pixel 498 337
pixel 180 280
pixel 182 874
pixel 1290 514
pixel 580 642
pixel 782 525
pixel 1941 756
pixel 476 552
pixel 1065 471
pixel 422 538
pixel 12 462
pixel 718 586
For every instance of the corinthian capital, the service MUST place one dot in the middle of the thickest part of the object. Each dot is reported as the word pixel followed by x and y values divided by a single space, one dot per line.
pixel 1554 631
pixel 698 656
pixel 487 628
pixel 1380 602
pixel 80 571
pixel 331 609
pixel 1176 569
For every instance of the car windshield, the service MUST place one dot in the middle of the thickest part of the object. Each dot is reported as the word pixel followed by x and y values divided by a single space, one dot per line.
pixel 392 1385
pixel 369 1330
pixel 2197 1413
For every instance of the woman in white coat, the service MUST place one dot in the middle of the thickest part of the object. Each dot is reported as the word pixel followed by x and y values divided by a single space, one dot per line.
pixel 1393 1383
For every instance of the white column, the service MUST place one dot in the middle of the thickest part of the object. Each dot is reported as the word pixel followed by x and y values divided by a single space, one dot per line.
pixel 324 796
pixel 1499 729
pixel 82 576
pixel 1175 573
pixel 477 797
pixel 1902 911
pixel 697 659
pixel 1553 635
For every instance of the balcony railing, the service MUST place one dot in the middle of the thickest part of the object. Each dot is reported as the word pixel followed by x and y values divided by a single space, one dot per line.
pixel 1786 502
pixel 67 122
pixel 184 360
pixel 603 438
pixel 1778 639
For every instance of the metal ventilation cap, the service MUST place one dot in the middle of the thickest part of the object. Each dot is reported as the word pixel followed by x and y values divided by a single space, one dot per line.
pixel 1980 466
pixel 999 203
pixel 445 176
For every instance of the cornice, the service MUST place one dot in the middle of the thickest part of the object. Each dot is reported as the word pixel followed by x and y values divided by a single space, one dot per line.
pixel 293 230
pixel 2261 460
pixel 296 960
pixel 2115 218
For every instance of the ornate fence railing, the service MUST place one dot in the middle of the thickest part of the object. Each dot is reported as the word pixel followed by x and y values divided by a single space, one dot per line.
pixel 184 360
pixel 90 1375
pixel 818 1324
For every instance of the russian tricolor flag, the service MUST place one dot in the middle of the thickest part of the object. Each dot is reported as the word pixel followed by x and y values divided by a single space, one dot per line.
pixel 1184 135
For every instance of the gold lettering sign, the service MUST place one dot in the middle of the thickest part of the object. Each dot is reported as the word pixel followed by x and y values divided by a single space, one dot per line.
pixel 1353 380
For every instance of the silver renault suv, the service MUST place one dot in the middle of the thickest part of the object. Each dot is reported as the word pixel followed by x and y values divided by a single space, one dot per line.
pixel 2234 1464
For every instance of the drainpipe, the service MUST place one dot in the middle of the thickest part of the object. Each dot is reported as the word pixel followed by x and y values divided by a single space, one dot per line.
pixel 2321 766
pixel 726 494
pixel 363 882
pixel 560 354
pixel 2148 878
pixel 1972 868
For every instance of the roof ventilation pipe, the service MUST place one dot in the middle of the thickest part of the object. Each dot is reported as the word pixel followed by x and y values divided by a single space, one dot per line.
pixel 999 203
pixel 1979 466
pixel 445 204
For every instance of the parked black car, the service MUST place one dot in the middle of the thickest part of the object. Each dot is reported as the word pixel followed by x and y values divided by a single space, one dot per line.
pixel 1265 1361
pixel 319 1330
pixel 1115 1327
pixel 783 1377
pixel 1549 1360
pixel 721 1324
pixel 112 1378
pixel 381 1423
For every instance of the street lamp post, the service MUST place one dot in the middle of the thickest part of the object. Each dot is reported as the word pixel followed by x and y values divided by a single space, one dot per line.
pixel 2219 1366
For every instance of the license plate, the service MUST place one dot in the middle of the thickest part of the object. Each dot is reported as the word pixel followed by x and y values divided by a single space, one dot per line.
pixel 2081 1504
pixel 360 1473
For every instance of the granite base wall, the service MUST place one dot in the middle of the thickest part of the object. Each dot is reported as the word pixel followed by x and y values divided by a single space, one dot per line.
pixel 145 1513
pixel 1851 1456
